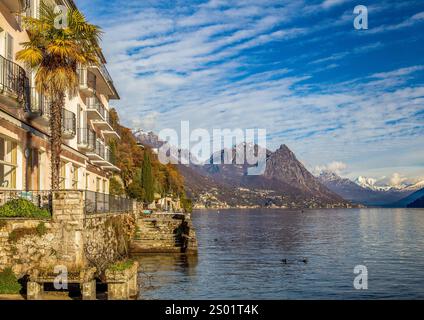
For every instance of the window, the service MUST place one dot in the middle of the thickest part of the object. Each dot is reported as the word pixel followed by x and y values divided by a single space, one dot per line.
pixel 98 186
pixel 104 186
pixel 63 175
pixel 8 163
pixel 87 180
pixel 75 178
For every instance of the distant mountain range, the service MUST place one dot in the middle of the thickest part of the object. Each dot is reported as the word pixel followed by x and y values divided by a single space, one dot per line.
pixel 285 183
pixel 370 183
pixel 365 191
pixel 414 200
pixel 419 203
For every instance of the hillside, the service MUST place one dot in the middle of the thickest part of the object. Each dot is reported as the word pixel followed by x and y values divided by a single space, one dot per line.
pixel 356 193
pixel 131 158
pixel 285 183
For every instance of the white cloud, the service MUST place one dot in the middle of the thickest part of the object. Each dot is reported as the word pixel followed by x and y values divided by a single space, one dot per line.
pixel 337 167
pixel 190 65
pixel 397 179
pixel 331 3
pixel 413 20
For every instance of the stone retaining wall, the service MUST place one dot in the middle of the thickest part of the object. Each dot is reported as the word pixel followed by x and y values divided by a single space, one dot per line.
pixel 70 238
pixel 26 244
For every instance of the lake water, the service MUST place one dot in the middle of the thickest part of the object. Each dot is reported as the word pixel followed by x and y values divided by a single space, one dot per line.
pixel 241 251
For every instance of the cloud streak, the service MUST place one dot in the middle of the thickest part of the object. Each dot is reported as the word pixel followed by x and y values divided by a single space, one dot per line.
pixel 299 70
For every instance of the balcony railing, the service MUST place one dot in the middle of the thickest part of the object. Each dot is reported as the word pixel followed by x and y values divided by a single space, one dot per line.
pixel 39 104
pixel 96 202
pixel 41 199
pixel 69 123
pixel 100 149
pixel 106 73
pixel 109 156
pixel 13 79
pixel 93 103
pixel 87 79
pixel 87 137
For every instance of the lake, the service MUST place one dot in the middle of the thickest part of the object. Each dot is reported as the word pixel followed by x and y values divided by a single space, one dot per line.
pixel 241 256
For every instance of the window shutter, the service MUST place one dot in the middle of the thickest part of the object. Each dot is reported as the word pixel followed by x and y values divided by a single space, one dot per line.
pixel 2 42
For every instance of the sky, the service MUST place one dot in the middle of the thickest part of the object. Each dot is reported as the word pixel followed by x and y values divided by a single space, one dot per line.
pixel 343 99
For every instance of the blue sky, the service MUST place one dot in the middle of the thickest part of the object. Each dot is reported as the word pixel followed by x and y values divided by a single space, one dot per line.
pixel 340 98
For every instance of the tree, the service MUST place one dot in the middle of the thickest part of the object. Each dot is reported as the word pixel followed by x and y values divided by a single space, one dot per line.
pixel 54 54
pixel 116 187
pixel 135 189
pixel 147 178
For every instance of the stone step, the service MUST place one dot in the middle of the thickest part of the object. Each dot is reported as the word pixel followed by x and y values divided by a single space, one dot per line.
pixel 153 244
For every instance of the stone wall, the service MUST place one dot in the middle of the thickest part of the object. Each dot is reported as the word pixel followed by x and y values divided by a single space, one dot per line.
pixel 70 238
pixel 26 244
pixel 107 238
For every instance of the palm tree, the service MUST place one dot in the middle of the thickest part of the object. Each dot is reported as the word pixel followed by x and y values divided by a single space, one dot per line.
pixel 54 54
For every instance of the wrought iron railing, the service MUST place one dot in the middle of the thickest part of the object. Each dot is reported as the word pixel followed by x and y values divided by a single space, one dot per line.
pixel 87 136
pixel 96 202
pixel 94 103
pixel 13 79
pixel 87 79
pixel 100 149
pixel 106 73
pixel 39 104
pixel 41 199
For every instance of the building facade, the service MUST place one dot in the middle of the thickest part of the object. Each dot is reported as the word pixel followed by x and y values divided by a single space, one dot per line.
pixel 87 161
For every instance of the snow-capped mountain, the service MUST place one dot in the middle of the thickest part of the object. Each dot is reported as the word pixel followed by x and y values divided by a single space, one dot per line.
pixel 417 186
pixel 362 190
pixel 373 184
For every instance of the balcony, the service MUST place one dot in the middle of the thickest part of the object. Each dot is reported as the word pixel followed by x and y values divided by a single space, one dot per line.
pixel 98 114
pixel 98 153
pixel 39 108
pixel 102 157
pixel 69 124
pixel 104 124
pixel 105 82
pixel 111 134
pixel 87 81
pixel 14 88
pixel 13 5
pixel 110 161
pixel 86 139
pixel 95 109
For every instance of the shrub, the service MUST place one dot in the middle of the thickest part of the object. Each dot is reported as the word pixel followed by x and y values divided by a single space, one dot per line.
pixel 22 208
pixel 19 233
pixel 41 229
pixel 8 282
pixel 2 224
pixel 115 187
pixel 121 265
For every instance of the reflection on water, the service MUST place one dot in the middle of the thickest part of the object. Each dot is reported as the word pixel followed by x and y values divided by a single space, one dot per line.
pixel 160 271
pixel 283 254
